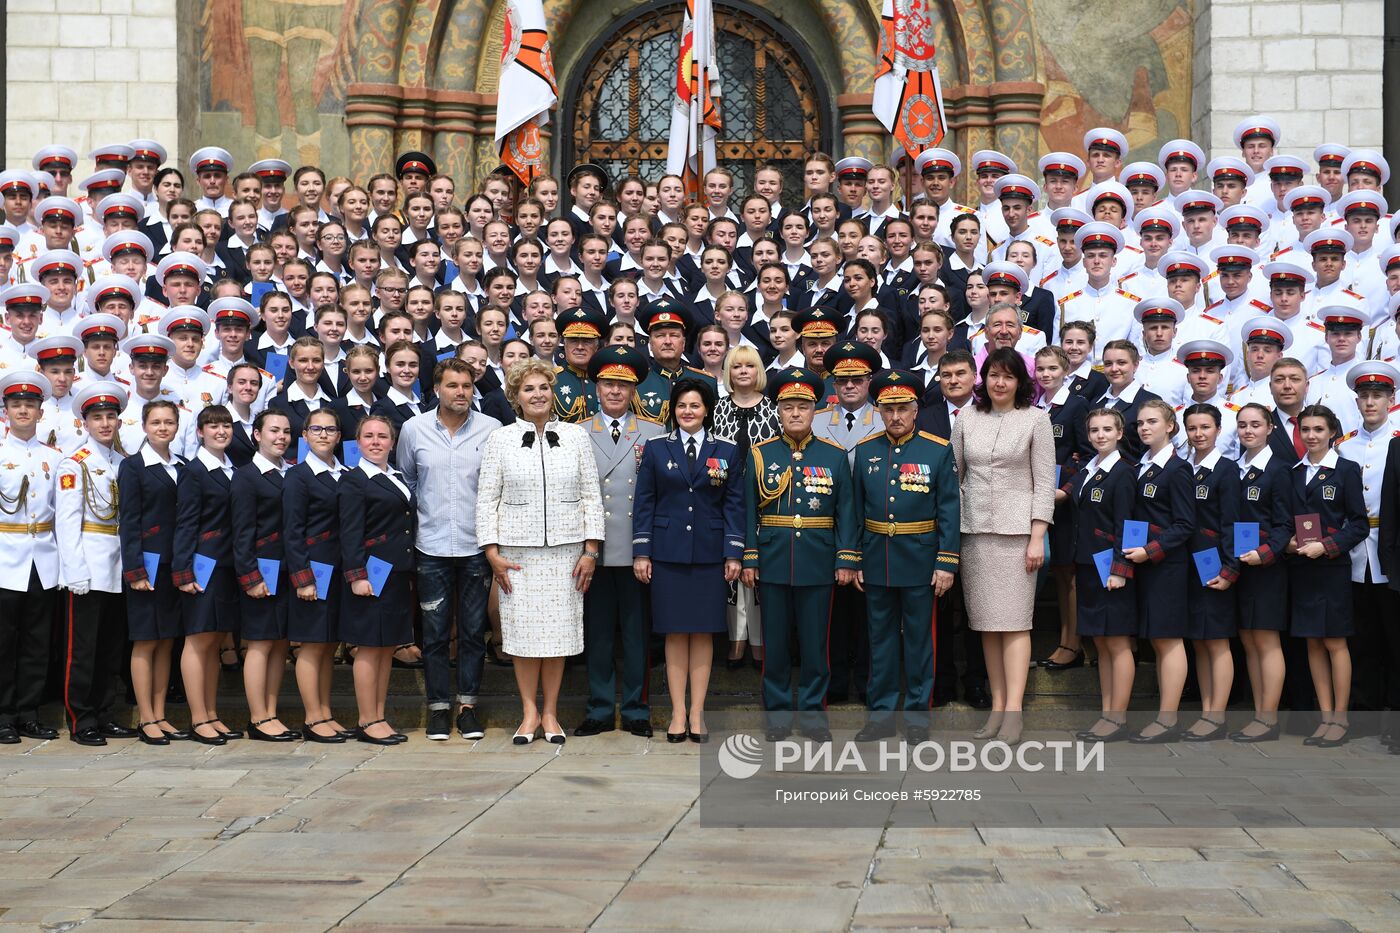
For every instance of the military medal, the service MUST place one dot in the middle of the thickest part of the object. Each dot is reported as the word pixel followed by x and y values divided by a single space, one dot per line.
pixel 797 455
pixel 718 470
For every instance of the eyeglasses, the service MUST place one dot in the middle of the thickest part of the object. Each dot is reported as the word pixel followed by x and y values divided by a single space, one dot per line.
pixel 322 430
pixel 333 237
pixel 393 289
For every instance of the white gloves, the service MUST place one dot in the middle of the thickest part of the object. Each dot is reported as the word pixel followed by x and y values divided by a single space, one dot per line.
pixel 80 588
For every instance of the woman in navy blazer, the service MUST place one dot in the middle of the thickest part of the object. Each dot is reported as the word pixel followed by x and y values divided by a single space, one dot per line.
pixel 377 512
pixel 1261 604
pixel 687 541
pixel 302 392
pixel 311 516
pixel 1103 493
pixel 263 601
pixel 1330 486
pixel 1165 502
pixel 204 528
pixel 146 525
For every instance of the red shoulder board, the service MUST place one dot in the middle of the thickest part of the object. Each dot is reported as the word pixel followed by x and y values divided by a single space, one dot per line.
pixel 1316 325
pixel 1215 304
pixel 1071 296
pixel 1213 320
pixel 1347 291
pixel 1046 279
pixel 1126 277
pixel 1260 305
pixel 1129 295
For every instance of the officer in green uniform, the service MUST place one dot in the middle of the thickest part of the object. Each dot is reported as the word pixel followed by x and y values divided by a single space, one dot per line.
pixel 907 492
pixel 816 330
pixel 667 324
pixel 800 534
pixel 575 396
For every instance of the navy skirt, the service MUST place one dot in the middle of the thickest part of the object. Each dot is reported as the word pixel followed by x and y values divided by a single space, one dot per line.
pixel 316 621
pixel 155 615
pixel 1100 611
pixel 688 598
pixel 1062 536
pixel 1321 598
pixel 1161 602
pixel 214 610
pixel 266 619
pixel 1261 598
pixel 1209 613
pixel 383 621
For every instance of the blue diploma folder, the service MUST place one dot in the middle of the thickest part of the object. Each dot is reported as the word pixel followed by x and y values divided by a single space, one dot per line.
pixel 378 571
pixel 1134 534
pixel 269 569
pixel 350 454
pixel 1207 564
pixel 276 363
pixel 322 573
pixel 1246 537
pixel 203 570
pixel 1103 560
pixel 152 561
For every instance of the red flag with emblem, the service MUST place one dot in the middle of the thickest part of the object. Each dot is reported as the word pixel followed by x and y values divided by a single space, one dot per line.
pixel 526 89
pixel 908 98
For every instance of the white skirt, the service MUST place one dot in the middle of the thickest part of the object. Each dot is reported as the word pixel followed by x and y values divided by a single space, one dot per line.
pixel 542 615
pixel 745 622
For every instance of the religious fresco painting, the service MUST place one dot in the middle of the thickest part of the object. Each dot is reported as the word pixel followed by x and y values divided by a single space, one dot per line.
pixel 347 83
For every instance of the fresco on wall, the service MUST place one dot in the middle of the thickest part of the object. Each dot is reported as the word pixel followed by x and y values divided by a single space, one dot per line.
pixel 1130 71
pixel 273 75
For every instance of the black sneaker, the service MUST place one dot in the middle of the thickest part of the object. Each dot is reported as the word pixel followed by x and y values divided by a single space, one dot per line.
pixel 439 724
pixel 467 724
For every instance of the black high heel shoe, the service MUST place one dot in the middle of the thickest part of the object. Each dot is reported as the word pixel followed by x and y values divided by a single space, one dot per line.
pixel 493 655
pixel 1076 661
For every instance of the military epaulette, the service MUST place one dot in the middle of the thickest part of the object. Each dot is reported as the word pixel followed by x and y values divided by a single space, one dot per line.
pixel 1027 329
pixel 767 442
pixel 1212 319
pixel 1032 214
pixel 1316 374
pixel 81 455
pixel 1215 304
pixel 829 443
pixel 1344 438
pixel 1347 291
pixel 1046 240
pixel 1132 249
pixel 1279 252
pixel 1071 296
pixel 1260 305
pixel 822 411
pixel 119 379
pixel 1047 278
pixel 866 440
pixel 558 370
pixel 267 376
pixel 698 372
pixel 964 209
pixel 1394 408
pixel 934 437
pixel 1318 326
pixel 1128 295
pixel 1212 274
pixel 1233 407
pixel 1126 277
pixel 209 368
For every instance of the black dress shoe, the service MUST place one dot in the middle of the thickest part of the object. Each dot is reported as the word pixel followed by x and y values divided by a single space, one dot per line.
pixel 91 737
pixel 1268 735
pixel 34 729
pixel 231 734
pixel 1168 734
pixel 9 735
pixel 1117 735
pixel 594 727
pixel 1076 661
pixel 309 733
pixel 256 733
pixel 916 734
pixel 978 697
pixel 1217 731
pixel 362 736
pixel 820 734
pixel 699 738
pixel 1337 742
pixel 641 728
pixel 771 734
pixel 115 730
pixel 675 738
pixel 174 735
pixel 875 731
pixel 149 739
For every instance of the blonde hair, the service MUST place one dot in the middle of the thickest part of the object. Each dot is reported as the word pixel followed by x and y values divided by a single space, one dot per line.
pixel 522 370
pixel 367 350
pixel 744 354
pixel 1168 413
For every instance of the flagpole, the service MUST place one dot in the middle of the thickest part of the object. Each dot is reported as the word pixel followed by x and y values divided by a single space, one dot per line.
pixel 698 106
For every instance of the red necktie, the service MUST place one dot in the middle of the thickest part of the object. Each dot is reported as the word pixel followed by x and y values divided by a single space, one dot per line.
pixel 1297 438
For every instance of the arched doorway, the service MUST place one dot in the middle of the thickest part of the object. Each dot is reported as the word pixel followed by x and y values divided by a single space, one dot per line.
pixel 620 100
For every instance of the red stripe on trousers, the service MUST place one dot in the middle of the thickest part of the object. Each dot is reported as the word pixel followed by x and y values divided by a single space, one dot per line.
pixel 68 669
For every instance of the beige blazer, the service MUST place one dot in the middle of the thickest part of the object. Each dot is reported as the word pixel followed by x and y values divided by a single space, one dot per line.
pixel 1006 470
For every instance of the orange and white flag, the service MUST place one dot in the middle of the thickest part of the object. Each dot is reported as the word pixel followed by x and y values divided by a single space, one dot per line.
pixel 908 98
pixel 695 119
pixel 526 89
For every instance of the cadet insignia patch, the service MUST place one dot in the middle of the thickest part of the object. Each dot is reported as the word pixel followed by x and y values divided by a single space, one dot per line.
pixel 1150 491
pixel 1252 494
pixel 68 482
pixel 1096 495
pixel 1202 492
pixel 1329 493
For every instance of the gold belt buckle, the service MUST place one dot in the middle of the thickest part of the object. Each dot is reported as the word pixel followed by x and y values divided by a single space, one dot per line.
pixel 890 528
pixel 797 521
pixel 33 528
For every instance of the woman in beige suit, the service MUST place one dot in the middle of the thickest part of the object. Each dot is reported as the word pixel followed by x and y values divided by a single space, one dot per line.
pixel 1005 452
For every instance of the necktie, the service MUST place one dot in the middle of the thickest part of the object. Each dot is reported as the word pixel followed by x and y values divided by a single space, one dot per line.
pixel 616 431
pixel 850 420
pixel 955 412
pixel 1297 438
pixel 690 450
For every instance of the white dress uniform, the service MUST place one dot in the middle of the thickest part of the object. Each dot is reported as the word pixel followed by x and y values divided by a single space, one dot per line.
pixel 85 507
pixel 1368 450
pixel 1227 443
pixel 59 425
pixel 132 433
pixel 1329 387
pixel 1110 309
pixel 27 470
pixel 1164 375
pixel 219 370
pixel 1064 281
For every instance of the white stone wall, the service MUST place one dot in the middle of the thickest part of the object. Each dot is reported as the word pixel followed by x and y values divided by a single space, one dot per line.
pixel 86 73
pixel 1314 65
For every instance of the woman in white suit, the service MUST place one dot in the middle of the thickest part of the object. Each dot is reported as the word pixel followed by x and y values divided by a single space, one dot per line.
pixel 539 520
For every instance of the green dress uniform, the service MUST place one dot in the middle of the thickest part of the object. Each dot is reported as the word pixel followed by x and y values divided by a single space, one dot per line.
pixel 800 528
pixel 575 395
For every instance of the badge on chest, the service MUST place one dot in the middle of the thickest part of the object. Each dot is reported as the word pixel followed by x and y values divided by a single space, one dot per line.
pixel 718 470
pixel 915 477
pixel 1329 493
pixel 1202 491
pixel 1059 431
pixel 1096 495
pixel 1252 493
pixel 818 480
pixel 1149 491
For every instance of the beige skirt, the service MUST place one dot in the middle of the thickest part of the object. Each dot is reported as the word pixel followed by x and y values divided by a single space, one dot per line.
pixel 999 594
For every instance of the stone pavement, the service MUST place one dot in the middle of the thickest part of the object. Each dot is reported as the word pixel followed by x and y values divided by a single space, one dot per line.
pixel 603 833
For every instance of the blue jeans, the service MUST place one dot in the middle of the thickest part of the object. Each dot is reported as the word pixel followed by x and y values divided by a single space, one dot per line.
pixel 446 584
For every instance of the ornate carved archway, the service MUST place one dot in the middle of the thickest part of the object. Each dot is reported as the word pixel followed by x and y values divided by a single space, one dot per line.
pixel 620 101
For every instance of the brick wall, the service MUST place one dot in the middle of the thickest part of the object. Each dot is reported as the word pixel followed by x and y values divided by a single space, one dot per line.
pixel 1314 65
pixel 89 72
